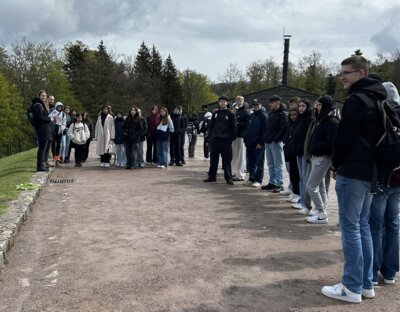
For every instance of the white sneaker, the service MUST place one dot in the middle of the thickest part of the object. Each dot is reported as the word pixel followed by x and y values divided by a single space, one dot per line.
pixel 389 281
pixel 368 293
pixel 297 206
pixel 247 183
pixel 312 212
pixel 290 197
pixel 340 292
pixel 318 218
pixel 107 165
pixel 304 211
pixel 102 164
pixel 287 192
pixel 295 199
pixel 162 167
pixel 256 185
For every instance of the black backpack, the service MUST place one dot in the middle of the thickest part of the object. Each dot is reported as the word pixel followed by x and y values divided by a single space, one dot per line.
pixel 29 113
pixel 386 152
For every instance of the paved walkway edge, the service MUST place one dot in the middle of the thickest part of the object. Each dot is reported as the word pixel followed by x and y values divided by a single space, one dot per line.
pixel 17 212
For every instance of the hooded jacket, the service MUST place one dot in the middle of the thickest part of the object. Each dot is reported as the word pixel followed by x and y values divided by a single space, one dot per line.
pixel 323 136
pixel 59 119
pixel 255 131
pixel 300 132
pixel 392 178
pixel 351 156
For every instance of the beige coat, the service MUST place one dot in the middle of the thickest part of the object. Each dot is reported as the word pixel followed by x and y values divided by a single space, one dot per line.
pixel 104 135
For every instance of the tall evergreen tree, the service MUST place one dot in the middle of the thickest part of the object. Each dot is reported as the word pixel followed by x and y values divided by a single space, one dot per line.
pixel 156 72
pixel 171 91
pixel 142 77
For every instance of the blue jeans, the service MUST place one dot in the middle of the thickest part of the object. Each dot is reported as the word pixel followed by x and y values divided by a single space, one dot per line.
pixel 162 152
pixel 255 163
pixel 354 200
pixel 274 155
pixel 384 223
pixel 65 141
pixel 121 155
pixel 302 165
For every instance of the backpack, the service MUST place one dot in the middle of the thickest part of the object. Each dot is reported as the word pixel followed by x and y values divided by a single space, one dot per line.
pixel 386 152
pixel 191 128
pixel 29 113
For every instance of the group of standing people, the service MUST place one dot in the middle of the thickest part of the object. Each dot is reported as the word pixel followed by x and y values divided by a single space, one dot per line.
pixel 314 143
pixel 57 130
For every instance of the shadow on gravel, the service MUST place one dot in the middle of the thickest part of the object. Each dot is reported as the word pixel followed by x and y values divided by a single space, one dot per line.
pixel 264 213
pixel 283 296
pixel 290 261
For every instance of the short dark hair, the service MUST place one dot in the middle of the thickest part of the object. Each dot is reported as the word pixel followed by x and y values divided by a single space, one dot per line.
pixel 275 98
pixel 357 62
pixel 295 99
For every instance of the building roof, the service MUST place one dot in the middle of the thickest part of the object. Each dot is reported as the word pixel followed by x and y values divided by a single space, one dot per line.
pixel 284 91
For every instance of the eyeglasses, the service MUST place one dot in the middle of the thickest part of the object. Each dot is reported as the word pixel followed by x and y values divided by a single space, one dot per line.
pixel 344 73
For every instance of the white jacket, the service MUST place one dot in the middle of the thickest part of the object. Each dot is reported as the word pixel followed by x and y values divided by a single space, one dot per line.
pixel 78 133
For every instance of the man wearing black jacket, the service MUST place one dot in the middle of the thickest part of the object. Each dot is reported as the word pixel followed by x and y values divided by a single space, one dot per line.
pixel 275 132
pixel 254 138
pixel 352 161
pixel 222 131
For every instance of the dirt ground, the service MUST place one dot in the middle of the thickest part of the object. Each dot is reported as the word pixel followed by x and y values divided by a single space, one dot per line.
pixel 162 240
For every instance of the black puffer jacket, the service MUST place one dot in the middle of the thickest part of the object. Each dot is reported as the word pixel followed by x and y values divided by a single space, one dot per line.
pixel 133 130
pixel 287 140
pixel 119 132
pixel 277 123
pixel 351 157
pixel 300 133
pixel 242 118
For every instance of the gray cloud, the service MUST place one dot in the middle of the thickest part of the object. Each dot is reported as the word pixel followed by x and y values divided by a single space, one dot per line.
pixel 387 39
pixel 207 35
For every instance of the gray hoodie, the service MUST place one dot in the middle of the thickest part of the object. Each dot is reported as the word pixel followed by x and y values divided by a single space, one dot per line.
pixel 392 94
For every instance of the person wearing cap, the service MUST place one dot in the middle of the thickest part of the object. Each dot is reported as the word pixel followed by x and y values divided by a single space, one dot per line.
pixel 275 132
pixel 254 139
pixel 321 150
pixel 222 131
pixel 242 113
pixel 204 129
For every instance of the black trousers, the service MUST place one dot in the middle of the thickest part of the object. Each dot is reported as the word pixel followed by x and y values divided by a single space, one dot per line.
pixel 223 148
pixel 151 152
pixel 294 175
pixel 182 147
pixel 175 148
pixel 56 145
pixel 79 153
pixel 206 148
pixel 41 152
pixel 131 150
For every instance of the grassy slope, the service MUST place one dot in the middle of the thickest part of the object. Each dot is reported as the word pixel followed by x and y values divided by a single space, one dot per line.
pixel 14 170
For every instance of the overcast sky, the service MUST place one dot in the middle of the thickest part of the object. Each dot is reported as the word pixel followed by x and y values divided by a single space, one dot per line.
pixel 207 35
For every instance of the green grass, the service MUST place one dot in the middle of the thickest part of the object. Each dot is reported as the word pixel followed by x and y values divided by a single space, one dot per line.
pixel 14 170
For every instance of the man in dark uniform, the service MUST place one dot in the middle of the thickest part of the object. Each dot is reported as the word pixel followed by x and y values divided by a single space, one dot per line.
pixel 222 131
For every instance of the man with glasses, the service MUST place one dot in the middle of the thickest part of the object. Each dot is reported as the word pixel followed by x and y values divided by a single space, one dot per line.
pixel 352 165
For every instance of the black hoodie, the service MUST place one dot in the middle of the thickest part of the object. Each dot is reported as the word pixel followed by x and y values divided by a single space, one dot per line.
pixel 351 157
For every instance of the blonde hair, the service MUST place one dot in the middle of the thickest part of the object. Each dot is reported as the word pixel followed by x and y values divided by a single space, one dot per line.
pixel 239 97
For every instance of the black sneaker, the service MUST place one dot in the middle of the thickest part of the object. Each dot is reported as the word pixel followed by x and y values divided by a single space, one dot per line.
pixel 210 179
pixel 183 162
pixel 268 187
pixel 230 182
pixel 277 189
pixel 179 164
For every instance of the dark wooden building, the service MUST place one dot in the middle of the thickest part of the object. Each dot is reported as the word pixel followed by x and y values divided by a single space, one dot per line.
pixel 284 91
